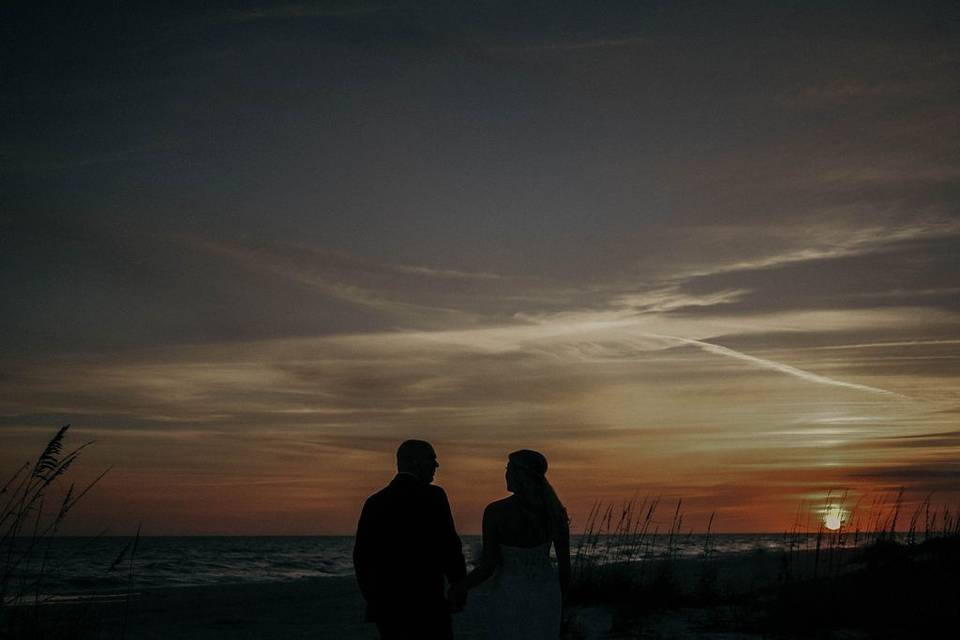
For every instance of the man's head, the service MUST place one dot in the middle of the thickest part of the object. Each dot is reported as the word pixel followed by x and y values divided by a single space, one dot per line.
pixel 419 458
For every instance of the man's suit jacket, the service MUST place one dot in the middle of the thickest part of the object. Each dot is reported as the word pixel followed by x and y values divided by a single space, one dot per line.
pixel 406 544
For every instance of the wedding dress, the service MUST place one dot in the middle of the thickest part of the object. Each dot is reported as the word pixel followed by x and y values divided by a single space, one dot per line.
pixel 525 595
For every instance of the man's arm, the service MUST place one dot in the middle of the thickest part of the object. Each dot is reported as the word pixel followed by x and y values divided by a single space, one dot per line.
pixel 364 553
pixel 454 564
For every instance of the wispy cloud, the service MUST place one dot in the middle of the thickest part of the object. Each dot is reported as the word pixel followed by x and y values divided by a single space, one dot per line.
pixel 672 298
pixel 579 384
pixel 349 279
pixel 296 10
pixel 937 441
pixel 573 45
pixel 443 273
pixel 43 160
pixel 827 242
pixel 898 171
pixel 854 89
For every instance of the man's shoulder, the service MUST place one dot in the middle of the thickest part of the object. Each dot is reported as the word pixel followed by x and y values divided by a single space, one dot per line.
pixel 403 489
pixel 433 495
pixel 379 496
pixel 437 491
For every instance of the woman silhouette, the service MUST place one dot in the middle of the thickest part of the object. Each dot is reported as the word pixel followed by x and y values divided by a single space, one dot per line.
pixel 517 534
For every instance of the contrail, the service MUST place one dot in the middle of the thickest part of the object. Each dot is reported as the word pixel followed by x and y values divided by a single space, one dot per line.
pixel 870 345
pixel 778 366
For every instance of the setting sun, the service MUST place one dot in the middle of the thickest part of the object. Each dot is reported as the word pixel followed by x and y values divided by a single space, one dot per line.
pixel 834 518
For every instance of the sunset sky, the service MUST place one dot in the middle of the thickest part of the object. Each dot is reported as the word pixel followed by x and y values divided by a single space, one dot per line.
pixel 697 250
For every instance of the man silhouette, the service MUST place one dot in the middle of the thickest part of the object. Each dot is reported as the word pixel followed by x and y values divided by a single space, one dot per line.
pixel 406 545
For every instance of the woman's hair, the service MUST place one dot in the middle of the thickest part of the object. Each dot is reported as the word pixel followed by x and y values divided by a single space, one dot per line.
pixel 535 493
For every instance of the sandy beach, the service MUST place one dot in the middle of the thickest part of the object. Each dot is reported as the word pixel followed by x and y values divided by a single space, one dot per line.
pixel 316 608
pixel 333 608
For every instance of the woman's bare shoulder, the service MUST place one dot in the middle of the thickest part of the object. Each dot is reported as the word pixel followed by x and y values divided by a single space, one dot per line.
pixel 499 507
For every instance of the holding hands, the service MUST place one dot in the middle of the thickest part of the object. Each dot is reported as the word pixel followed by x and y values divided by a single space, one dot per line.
pixel 457 597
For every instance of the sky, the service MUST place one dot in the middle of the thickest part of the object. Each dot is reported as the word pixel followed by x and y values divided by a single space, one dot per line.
pixel 698 251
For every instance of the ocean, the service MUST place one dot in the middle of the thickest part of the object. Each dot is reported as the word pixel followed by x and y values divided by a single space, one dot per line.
pixel 77 566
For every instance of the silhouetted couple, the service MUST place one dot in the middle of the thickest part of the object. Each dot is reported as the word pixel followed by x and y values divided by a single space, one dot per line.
pixel 407 546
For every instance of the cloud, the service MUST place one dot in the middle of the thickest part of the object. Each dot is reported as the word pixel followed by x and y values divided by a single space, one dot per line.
pixel 930 476
pixel 896 171
pixel 380 287
pixel 822 242
pixel 40 160
pixel 443 273
pixel 574 45
pixel 395 377
pixel 584 387
pixel 940 441
pixel 297 10
pixel 855 89
pixel 673 299
pixel 915 274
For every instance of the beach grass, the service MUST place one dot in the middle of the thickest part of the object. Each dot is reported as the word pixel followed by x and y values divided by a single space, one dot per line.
pixel 884 572
pixel 29 521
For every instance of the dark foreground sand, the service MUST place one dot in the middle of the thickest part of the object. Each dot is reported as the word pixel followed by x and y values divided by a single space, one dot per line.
pixel 319 608
pixel 330 608
pixel 322 608
pixel 847 595
pixel 333 608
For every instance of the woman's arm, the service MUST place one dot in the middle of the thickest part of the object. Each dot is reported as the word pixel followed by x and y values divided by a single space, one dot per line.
pixel 488 561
